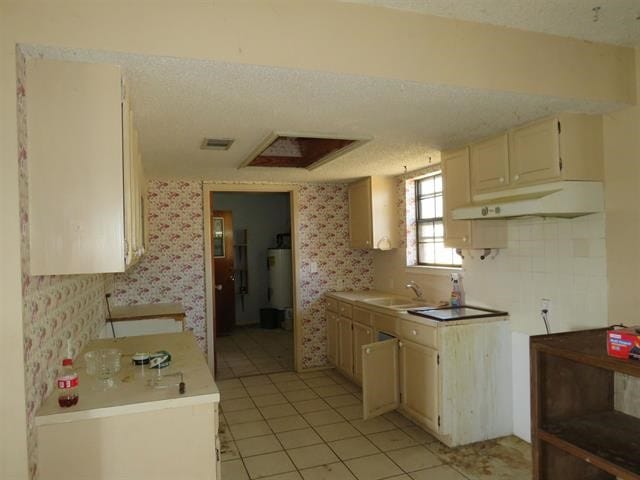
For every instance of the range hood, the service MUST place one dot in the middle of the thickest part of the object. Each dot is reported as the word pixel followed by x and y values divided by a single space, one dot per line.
pixel 567 199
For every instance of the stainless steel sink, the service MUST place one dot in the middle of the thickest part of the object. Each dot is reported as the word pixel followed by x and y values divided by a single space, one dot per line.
pixel 395 303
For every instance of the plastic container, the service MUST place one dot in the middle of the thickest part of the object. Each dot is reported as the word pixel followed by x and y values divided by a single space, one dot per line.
pixel 270 318
pixel 67 385
pixel 456 294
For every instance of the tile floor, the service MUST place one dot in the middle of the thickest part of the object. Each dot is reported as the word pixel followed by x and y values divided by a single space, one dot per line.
pixel 252 350
pixel 288 426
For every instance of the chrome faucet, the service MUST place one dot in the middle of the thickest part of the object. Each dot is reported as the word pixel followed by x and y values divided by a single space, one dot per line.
pixel 415 287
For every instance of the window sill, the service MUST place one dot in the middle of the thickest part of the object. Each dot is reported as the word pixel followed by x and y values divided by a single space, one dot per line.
pixel 426 270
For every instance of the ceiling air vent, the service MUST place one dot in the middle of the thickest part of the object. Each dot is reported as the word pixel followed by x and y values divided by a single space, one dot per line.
pixel 216 144
pixel 291 150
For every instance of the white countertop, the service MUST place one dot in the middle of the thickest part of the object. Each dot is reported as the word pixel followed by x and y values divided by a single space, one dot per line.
pixel 133 393
pixel 358 298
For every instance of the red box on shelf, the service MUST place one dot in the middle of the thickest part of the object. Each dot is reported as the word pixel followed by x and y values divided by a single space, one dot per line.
pixel 624 343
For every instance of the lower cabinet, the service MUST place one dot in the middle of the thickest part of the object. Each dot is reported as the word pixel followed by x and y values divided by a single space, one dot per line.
pixel 380 386
pixel 362 335
pixel 345 346
pixel 419 383
pixel 332 337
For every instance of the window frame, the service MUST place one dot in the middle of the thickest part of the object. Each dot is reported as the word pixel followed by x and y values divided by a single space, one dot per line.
pixel 430 220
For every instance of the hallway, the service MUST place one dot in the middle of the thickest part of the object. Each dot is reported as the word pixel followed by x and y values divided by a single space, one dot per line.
pixel 251 350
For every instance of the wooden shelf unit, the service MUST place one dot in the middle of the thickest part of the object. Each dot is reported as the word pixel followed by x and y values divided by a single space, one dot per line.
pixel 576 431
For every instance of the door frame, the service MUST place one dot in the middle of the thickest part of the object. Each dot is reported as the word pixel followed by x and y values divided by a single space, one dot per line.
pixel 212 187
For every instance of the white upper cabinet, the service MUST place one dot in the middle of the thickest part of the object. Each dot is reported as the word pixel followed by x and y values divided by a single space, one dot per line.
pixel 77 143
pixel 565 147
pixel 465 234
pixel 373 214
pixel 490 164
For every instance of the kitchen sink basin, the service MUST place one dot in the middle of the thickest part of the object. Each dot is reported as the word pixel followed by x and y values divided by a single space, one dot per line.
pixel 395 303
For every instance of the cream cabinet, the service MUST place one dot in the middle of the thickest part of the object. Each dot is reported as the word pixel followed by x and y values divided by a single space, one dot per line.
pixel 82 181
pixel 564 147
pixel 362 335
pixel 420 382
pixel 332 337
pixel 373 214
pixel 380 386
pixel 490 164
pixel 345 346
pixel 465 234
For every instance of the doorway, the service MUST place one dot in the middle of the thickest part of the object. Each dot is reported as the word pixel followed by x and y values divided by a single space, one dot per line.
pixel 251 288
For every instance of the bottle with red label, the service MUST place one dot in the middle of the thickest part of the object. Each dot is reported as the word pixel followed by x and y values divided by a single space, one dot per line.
pixel 68 384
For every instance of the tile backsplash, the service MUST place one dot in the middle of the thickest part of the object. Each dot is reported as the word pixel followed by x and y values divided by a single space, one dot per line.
pixel 563 260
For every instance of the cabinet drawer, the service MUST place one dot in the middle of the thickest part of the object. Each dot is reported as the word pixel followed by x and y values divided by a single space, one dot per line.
pixel 362 316
pixel 332 304
pixel 385 323
pixel 345 309
pixel 421 334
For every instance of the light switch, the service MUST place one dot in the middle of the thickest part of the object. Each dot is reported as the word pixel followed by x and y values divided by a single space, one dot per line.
pixel 313 267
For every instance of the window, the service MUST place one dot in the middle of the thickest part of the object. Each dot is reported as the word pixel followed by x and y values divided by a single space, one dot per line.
pixel 429 224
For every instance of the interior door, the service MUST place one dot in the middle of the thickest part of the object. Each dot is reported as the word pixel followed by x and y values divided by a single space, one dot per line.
pixel 420 383
pixel 223 271
pixel 380 383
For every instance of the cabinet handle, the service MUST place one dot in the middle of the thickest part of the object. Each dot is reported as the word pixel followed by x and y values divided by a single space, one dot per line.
pixel 400 344
pixel 368 332
pixel 464 239
pixel 367 351
pixel 414 332
pixel 516 177
pixel 501 179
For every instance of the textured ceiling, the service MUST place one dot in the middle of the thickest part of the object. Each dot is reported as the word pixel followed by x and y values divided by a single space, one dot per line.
pixel 617 20
pixel 177 102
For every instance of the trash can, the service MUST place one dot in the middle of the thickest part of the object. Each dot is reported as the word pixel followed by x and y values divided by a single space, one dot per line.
pixel 270 318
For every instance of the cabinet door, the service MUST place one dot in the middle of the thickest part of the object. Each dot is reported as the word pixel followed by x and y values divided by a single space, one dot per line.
pixel 380 386
pixel 332 338
pixel 345 349
pixel 360 219
pixel 74 117
pixel 128 154
pixel 490 164
pixel 535 152
pixel 419 383
pixel 362 335
pixel 457 192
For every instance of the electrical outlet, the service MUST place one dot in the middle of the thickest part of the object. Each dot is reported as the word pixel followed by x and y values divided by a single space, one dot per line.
pixel 545 304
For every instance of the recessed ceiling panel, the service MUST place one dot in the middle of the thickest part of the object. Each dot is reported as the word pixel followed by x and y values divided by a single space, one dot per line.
pixel 299 151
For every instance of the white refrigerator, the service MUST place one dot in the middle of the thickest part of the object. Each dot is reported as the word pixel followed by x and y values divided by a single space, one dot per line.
pixel 279 264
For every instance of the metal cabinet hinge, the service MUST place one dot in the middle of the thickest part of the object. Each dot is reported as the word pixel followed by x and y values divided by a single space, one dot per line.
pixel 560 163
pixel 217 455
pixel 438 359
pixel 438 420
pixel 559 127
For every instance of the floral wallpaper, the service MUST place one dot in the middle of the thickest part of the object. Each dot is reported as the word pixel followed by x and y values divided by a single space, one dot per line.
pixel 59 312
pixel 323 237
pixel 172 269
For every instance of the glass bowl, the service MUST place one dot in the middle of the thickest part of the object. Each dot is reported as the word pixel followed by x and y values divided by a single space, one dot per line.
pixel 103 364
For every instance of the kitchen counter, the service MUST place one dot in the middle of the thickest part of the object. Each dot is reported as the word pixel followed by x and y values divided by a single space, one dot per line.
pixel 133 394
pixel 134 430
pixel 359 299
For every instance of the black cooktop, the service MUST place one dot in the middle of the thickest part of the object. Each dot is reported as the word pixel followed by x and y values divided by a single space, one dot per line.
pixel 465 312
